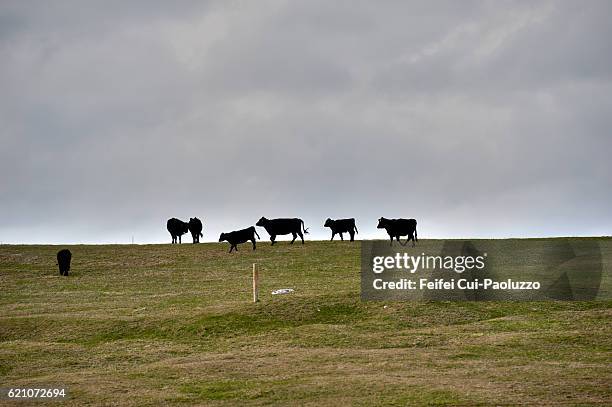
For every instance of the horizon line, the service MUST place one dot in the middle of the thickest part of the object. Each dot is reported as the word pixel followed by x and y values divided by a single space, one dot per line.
pixel 313 240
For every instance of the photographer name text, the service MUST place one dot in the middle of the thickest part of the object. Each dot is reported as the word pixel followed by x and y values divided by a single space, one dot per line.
pixel 458 264
pixel 452 284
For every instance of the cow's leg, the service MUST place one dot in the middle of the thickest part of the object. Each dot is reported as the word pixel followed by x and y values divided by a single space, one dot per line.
pixel 301 236
pixel 391 240
pixel 272 238
pixel 341 236
pixel 333 234
pixel 253 241
pixel 352 233
pixel 180 239
pixel 231 248
pixel 294 237
pixel 400 242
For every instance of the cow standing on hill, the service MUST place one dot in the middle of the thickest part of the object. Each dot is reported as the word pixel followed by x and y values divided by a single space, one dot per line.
pixel 283 226
pixel 240 236
pixel 195 227
pixel 400 227
pixel 342 226
pixel 177 228
pixel 63 261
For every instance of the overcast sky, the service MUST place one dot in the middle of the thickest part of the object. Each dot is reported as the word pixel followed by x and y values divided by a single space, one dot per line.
pixel 479 119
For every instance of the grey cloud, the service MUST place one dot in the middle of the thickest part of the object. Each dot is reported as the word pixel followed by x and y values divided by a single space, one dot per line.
pixel 477 118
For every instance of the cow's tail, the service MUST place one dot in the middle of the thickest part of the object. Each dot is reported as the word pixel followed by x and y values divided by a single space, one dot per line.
pixel 255 230
pixel 201 235
pixel 415 234
pixel 304 227
pixel 356 231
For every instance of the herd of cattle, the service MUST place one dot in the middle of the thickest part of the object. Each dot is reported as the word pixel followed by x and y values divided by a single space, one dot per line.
pixel 294 226
pixel 395 229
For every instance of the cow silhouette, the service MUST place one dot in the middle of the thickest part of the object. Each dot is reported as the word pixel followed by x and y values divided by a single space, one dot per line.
pixel 239 236
pixel 399 227
pixel 63 261
pixel 177 228
pixel 283 226
pixel 195 227
pixel 341 226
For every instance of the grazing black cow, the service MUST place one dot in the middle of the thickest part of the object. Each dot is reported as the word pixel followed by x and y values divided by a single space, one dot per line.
pixel 177 228
pixel 342 226
pixel 399 227
pixel 195 227
pixel 283 226
pixel 63 261
pixel 239 236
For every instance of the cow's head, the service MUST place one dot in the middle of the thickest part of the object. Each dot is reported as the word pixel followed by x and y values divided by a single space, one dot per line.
pixel 261 222
pixel 382 223
pixel 328 223
pixel 222 237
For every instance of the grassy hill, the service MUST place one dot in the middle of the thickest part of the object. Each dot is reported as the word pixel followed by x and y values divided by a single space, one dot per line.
pixel 173 324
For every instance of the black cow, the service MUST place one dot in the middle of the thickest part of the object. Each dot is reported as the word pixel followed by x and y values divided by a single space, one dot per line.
pixel 342 226
pixel 399 227
pixel 195 227
pixel 177 228
pixel 239 236
pixel 283 226
pixel 63 261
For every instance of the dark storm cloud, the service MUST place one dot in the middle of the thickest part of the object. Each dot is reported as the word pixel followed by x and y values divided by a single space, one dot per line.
pixel 477 118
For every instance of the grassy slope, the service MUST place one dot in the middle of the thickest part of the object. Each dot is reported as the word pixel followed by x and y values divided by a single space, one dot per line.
pixel 138 325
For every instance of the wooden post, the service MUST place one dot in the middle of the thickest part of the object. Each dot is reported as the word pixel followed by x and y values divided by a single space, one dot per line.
pixel 255 284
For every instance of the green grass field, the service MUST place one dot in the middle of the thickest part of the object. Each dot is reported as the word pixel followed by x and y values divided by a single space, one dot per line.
pixel 175 325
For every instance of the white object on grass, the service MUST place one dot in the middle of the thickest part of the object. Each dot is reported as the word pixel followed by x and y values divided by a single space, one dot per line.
pixel 282 291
